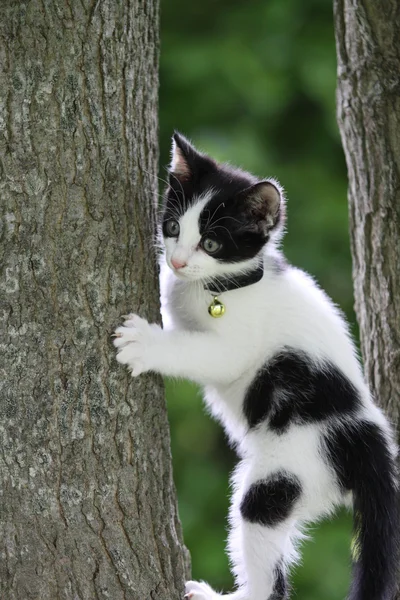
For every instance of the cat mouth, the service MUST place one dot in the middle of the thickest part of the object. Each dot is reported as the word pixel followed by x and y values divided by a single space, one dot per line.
pixel 179 272
pixel 185 274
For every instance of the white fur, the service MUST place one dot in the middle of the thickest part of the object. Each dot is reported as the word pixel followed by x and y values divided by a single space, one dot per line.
pixel 285 309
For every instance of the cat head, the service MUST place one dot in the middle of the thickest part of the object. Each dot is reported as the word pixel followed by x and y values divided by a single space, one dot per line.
pixel 216 219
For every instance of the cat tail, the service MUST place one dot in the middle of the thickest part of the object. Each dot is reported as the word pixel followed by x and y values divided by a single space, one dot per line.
pixel 375 545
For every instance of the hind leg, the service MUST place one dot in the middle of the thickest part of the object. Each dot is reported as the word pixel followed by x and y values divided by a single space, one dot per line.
pixel 260 543
pixel 264 559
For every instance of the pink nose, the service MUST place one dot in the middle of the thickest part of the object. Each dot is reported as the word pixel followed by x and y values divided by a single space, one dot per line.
pixel 177 264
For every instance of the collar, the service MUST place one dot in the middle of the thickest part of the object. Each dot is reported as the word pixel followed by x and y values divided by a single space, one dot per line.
pixel 218 285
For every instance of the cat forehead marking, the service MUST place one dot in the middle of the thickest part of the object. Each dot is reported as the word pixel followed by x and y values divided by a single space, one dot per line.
pixel 189 221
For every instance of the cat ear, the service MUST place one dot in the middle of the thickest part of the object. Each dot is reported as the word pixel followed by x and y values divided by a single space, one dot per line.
pixel 264 202
pixel 186 161
pixel 180 151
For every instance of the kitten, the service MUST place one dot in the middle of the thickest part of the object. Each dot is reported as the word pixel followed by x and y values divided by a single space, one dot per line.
pixel 279 371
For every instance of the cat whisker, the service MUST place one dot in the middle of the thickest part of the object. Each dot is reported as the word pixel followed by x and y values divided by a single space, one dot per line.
pixel 218 207
pixel 167 184
pixel 180 184
pixel 226 217
pixel 226 229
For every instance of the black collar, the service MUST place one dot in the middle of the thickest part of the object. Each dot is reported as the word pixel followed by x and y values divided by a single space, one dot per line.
pixel 234 282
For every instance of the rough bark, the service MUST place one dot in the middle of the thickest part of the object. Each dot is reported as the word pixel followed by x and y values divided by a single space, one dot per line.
pixel 368 94
pixel 87 503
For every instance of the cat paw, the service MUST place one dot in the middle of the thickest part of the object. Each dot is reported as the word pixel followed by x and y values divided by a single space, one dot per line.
pixel 199 590
pixel 134 341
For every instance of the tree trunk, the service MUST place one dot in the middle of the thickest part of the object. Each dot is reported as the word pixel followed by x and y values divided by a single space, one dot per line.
pixel 87 502
pixel 368 50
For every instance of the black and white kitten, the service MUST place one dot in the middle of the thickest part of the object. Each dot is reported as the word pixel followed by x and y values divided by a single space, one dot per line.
pixel 279 371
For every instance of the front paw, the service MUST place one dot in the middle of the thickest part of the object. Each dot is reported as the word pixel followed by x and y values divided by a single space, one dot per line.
pixel 135 341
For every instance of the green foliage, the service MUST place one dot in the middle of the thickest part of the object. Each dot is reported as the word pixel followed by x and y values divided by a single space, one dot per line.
pixel 253 83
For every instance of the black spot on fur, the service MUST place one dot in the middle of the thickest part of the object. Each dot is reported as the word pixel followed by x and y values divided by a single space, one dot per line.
pixel 363 464
pixel 291 388
pixel 270 501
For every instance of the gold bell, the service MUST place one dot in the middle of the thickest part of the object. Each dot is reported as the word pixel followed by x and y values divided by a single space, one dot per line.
pixel 216 308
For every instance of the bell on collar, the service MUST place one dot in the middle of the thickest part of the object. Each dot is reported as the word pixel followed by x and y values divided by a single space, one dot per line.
pixel 216 308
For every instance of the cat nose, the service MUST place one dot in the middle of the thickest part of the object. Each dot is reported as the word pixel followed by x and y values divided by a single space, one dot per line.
pixel 177 264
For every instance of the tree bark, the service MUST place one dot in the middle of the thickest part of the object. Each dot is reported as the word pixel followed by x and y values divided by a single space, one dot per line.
pixel 87 502
pixel 368 98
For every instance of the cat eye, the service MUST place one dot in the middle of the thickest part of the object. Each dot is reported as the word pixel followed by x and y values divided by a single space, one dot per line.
pixel 172 228
pixel 210 246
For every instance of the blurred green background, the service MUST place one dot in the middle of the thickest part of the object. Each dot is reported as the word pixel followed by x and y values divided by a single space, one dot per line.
pixel 253 83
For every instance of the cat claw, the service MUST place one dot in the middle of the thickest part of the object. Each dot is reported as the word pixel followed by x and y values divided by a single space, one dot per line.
pixel 116 335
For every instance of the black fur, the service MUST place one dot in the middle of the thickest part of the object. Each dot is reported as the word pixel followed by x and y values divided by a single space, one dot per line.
pixel 364 465
pixel 291 388
pixel 223 220
pixel 280 590
pixel 270 501
pixel 227 217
